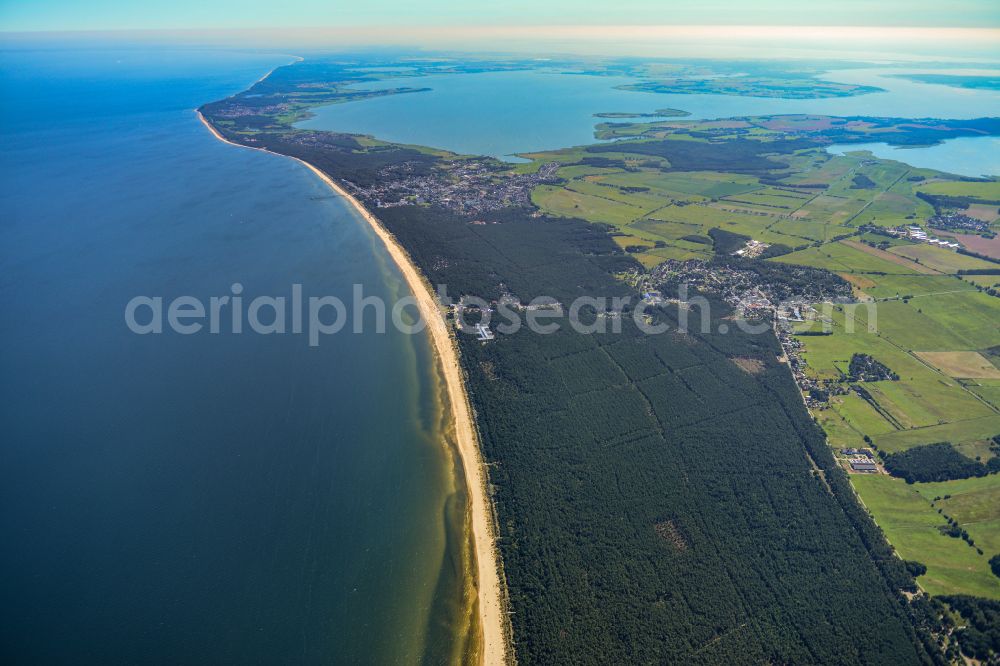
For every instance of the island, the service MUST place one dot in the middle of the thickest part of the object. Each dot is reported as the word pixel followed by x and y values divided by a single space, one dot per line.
pixel 659 113
pixel 751 86
pixel 980 82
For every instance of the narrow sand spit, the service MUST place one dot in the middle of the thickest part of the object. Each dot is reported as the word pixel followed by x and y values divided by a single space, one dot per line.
pixel 491 612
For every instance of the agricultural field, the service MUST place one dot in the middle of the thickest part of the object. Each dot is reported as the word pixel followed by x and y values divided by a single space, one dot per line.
pixel 833 208
pixel 963 365
pixel 783 199
pixel 985 281
pixel 908 515
pixel 861 417
pixel 893 256
pixel 928 403
pixel 850 258
pixel 569 203
pixel 649 198
pixel 592 185
pixel 984 212
pixel 940 259
pixel 958 432
pixel 840 433
pixel 684 185
pixel 581 170
pixel 981 245
pixel 972 316
pixel 811 170
pixel 931 332
pixel 911 286
pixel 988 390
pixel 960 321
pixel 974 503
pixel 799 231
pixel 985 190
pixel 649 206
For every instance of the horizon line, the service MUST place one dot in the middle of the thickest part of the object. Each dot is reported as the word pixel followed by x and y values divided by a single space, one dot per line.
pixel 825 42
pixel 499 28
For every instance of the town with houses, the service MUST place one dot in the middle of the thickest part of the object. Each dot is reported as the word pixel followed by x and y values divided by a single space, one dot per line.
pixel 468 186
pixel 959 221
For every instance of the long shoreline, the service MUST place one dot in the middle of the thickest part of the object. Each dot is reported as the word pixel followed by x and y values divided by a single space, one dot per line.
pixel 488 587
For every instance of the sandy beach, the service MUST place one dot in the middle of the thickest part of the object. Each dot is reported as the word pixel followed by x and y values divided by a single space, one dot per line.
pixel 491 613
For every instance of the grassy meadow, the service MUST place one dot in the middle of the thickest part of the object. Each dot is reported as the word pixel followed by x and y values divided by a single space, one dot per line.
pixel 911 520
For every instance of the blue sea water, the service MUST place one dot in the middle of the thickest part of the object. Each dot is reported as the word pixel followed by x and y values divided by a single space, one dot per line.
pixel 503 113
pixel 202 498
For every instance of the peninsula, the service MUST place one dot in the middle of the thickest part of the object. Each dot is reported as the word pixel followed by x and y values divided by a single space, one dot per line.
pixel 642 514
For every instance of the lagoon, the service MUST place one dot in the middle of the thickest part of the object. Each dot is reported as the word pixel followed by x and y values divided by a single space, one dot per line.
pixel 504 113
pixel 965 156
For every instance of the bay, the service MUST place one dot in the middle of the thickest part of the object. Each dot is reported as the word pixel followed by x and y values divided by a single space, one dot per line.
pixel 966 156
pixel 504 113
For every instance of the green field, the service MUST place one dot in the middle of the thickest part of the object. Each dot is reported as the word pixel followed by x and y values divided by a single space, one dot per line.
pixel 803 231
pixel 841 434
pixel 861 417
pixel 648 201
pixel 970 315
pixel 974 503
pixel 839 257
pixel 704 184
pixel 988 390
pixel 567 203
pixel 892 286
pixel 982 280
pixel 941 259
pixel 989 190
pixel 925 405
pixel 579 171
pixel 785 200
pixel 905 514
pixel 958 432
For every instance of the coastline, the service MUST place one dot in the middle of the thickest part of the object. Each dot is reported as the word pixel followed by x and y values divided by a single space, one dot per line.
pixel 489 597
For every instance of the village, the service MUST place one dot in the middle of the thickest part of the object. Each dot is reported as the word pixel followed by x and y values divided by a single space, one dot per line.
pixel 960 222
pixel 468 187
pixel 755 291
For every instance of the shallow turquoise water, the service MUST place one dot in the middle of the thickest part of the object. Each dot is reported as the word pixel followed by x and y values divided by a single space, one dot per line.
pixel 501 113
pixel 206 498
pixel 966 156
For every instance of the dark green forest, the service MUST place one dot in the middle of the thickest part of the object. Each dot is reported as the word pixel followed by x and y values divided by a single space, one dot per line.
pixel 594 441
pixel 937 462
pixel 656 502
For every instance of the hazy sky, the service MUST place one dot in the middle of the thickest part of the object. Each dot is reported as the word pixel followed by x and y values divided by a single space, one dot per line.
pixel 19 15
